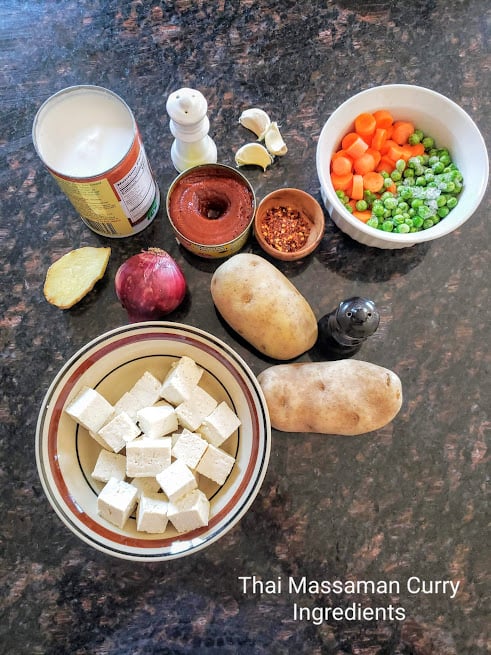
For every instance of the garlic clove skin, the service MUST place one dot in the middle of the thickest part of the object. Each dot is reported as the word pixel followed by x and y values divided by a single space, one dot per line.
pixel 274 141
pixel 256 120
pixel 253 154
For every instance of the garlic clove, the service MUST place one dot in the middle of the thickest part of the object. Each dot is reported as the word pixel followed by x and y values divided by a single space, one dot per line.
pixel 256 120
pixel 253 154
pixel 274 141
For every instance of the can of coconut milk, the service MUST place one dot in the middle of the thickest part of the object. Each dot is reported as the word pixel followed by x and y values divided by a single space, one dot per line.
pixel 88 139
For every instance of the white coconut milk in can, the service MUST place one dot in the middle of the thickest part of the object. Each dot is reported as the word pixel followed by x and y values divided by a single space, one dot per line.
pixel 88 139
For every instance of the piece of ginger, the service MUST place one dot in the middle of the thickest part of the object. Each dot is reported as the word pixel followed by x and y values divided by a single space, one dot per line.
pixel 71 277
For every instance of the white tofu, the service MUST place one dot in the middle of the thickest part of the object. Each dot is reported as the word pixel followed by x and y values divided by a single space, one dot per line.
pixel 177 480
pixel 109 465
pixel 146 457
pixel 119 431
pixel 189 512
pixel 181 380
pixel 192 412
pixel 146 390
pixel 219 425
pixel 151 513
pixel 147 486
pixel 215 464
pixel 90 409
pixel 128 403
pixel 117 501
pixel 157 421
pixel 99 440
pixel 189 447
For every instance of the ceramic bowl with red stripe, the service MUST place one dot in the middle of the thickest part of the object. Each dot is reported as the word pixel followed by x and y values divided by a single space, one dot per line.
pixel 111 364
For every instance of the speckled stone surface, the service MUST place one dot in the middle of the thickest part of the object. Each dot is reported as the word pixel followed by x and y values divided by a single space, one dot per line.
pixel 410 500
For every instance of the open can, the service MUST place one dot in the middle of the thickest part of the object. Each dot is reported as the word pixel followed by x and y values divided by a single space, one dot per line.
pixel 88 139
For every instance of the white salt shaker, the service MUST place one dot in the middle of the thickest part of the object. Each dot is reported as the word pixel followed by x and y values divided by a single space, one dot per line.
pixel 189 124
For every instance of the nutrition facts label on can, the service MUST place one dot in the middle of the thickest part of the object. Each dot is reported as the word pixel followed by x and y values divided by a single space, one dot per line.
pixel 137 188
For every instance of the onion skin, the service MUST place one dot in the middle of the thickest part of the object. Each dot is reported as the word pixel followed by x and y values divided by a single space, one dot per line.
pixel 150 285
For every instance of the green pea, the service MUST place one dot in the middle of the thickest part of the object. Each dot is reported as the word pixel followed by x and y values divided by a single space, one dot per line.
pixel 452 202
pixel 424 211
pixel 387 226
pixel 438 167
pixel 372 221
pixel 427 223
pixel 443 211
pixel 428 142
pixel 417 221
pixel 361 205
pixel 403 228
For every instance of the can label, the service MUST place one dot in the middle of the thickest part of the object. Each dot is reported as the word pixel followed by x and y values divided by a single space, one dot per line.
pixel 119 199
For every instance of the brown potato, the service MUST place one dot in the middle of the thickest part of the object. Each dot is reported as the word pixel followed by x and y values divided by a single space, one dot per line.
pixel 345 397
pixel 263 306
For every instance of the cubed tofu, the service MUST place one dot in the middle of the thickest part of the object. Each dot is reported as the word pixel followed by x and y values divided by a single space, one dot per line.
pixel 189 447
pixel 119 431
pixel 177 480
pixel 99 440
pixel 146 457
pixel 109 465
pixel 128 403
pixel 151 513
pixel 191 413
pixel 181 380
pixel 189 512
pixel 146 390
pixel 117 501
pixel 90 409
pixel 157 420
pixel 219 425
pixel 146 486
pixel 215 464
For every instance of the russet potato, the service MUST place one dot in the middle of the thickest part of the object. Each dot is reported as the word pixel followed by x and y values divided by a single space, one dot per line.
pixel 263 306
pixel 344 397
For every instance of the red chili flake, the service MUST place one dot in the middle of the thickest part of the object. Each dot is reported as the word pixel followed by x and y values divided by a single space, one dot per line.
pixel 285 229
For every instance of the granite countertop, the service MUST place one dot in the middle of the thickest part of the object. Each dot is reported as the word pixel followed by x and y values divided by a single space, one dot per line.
pixel 407 505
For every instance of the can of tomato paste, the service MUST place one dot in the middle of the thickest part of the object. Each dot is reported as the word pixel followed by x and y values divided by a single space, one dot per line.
pixel 88 139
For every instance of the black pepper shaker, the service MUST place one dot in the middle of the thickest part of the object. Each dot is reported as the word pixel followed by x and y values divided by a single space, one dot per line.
pixel 343 331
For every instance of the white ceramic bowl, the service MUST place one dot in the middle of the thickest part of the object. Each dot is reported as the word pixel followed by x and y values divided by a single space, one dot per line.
pixel 438 117
pixel 111 363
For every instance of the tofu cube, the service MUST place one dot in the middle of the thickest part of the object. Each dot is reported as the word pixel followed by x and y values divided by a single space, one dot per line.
pixel 181 380
pixel 189 447
pixel 177 480
pixel 146 390
pixel 215 464
pixel 128 403
pixel 119 431
pixel 109 465
pixel 90 409
pixel 189 512
pixel 219 425
pixel 151 513
pixel 117 501
pixel 99 440
pixel 147 486
pixel 147 457
pixel 191 413
pixel 157 421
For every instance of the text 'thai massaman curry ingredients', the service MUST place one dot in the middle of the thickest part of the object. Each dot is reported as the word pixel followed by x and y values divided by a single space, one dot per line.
pixel 392 176
pixel 150 285
pixel 263 306
pixel 71 277
pixel 163 449
pixel 343 397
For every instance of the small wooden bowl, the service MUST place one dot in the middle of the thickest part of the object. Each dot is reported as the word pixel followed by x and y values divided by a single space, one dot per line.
pixel 300 201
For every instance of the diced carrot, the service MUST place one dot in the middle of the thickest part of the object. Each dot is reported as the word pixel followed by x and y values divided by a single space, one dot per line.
pixel 373 181
pixel 357 148
pixel 395 153
pixel 364 164
pixel 365 126
pixel 388 144
pixel 402 131
pixel 379 137
pixel 375 154
pixel 362 216
pixel 392 188
pixel 352 204
pixel 342 165
pixel 357 190
pixel 383 118
pixel 341 182
pixel 417 149
pixel 348 139
pixel 385 164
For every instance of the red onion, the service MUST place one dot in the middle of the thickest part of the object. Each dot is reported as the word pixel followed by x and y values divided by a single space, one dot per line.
pixel 150 285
